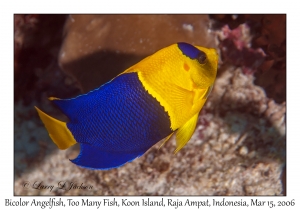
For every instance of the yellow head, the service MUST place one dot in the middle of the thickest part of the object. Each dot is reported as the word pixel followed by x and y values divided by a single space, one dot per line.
pixel 195 66
pixel 180 77
pixel 203 68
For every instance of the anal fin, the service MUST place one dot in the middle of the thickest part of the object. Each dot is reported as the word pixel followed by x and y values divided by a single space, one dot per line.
pixel 92 157
pixel 185 132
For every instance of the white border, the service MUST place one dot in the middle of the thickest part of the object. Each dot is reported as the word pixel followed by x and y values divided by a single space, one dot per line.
pixel 154 6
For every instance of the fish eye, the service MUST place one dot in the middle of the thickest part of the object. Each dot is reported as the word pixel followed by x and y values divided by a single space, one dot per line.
pixel 201 57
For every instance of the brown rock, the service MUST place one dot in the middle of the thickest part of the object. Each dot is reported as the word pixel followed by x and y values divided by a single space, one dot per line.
pixel 98 47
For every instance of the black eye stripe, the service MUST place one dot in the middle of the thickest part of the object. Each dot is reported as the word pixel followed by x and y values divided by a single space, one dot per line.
pixel 202 58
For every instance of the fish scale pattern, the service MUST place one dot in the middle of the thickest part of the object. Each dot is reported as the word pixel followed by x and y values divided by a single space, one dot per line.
pixel 120 116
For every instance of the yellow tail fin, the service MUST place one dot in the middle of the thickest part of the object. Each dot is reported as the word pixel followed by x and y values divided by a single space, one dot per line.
pixel 58 131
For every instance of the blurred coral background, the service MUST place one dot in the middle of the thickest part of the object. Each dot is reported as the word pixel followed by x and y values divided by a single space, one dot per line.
pixel 239 146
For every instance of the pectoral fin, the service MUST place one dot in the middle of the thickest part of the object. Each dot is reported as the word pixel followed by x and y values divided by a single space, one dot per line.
pixel 185 132
pixel 207 92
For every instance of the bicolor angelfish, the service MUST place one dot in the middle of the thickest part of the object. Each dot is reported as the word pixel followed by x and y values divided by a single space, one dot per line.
pixel 155 98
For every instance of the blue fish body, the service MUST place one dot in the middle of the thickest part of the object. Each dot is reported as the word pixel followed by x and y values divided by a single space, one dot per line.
pixel 104 122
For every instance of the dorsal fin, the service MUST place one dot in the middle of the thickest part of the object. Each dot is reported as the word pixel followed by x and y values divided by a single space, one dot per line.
pixel 80 105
